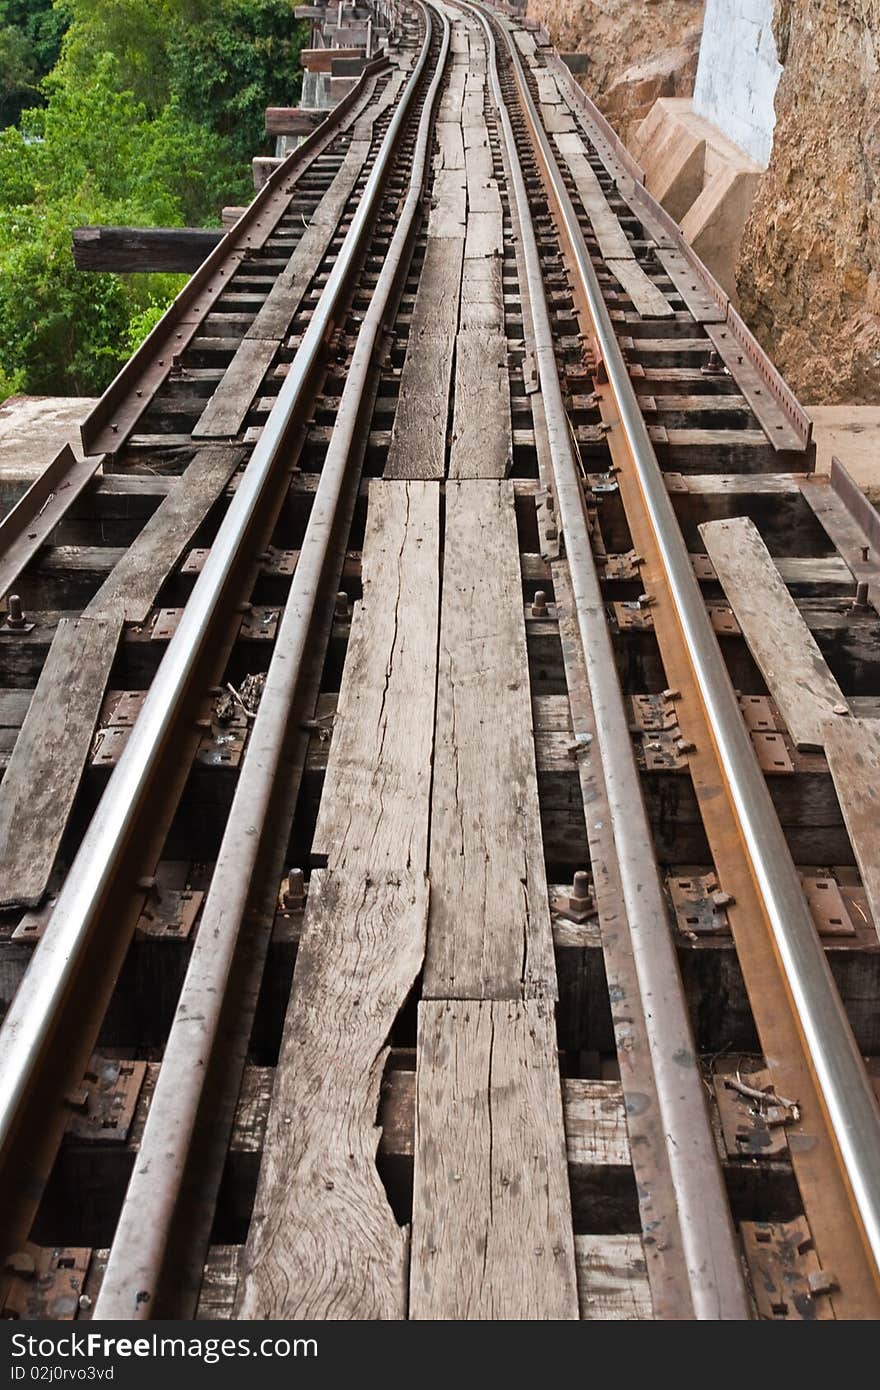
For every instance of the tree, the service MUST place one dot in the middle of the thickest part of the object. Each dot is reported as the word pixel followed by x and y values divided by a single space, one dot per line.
pixel 150 116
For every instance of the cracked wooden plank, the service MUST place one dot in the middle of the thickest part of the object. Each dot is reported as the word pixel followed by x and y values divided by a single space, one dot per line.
pixel 43 775
pixel 482 439
pixel 612 239
pixel 778 638
pixel 489 934
pixel 418 436
pixel 374 809
pixel 135 580
pixel 852 747
pixel 323 1241
pixel 647 299
pixel 492 1229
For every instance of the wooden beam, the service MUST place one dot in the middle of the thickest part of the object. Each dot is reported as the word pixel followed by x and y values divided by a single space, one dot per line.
pixel 322 59
pixel 292 120
pixel 489 932
pixel 44 771
pixel 133 584
pixel 374 807
pixel 778 638
pixel 492 1233
pixel 418 436
pixel 143 249
pixel 852 747
pixel 323 1240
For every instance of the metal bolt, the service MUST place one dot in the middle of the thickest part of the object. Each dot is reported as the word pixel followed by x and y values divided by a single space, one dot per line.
pixel 580 899
pixel 539 604
pixel 294 894
pixel 342 604
pixel 860 602
pixel 15 613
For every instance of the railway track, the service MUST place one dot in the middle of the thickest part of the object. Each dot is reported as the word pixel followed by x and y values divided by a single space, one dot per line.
pixel 436 852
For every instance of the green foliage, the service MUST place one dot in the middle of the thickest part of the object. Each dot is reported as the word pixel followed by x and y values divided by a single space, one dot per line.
pixel 30 41
pixel 150 116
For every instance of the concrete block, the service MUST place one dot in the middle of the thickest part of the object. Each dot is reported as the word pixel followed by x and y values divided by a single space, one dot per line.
pixel 264 166
pixel 714 223
pixel 672 154
pixel 33 430
pixel 702 179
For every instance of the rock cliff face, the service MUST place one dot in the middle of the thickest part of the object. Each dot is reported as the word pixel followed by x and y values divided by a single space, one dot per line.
pixel 809 269
pixel 638 50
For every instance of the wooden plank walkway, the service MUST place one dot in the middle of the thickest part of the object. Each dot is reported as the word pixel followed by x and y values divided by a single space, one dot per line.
pixel 782 645
pixel 225 412
pixel 135 580
pixel 852 747
pixel 482 440
pixel 323 1240
pixel 374 809
pixel 489 932
pixel 41 781
pixel 492 1229
pixel 418 436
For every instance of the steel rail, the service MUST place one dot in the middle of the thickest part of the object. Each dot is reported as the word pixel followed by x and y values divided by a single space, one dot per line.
pixel 117 411
pixel 43 992
pixel 710 1254
pixel 135 1266
pixel 843 1082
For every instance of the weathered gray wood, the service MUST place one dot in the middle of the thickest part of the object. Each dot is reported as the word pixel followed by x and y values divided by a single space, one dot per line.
pixel 292 120
pixel 485 234
pixel 612 1282
pixel 43 775
pixel 449 139
pixel 556 119
pixel 155 249
pixel 418 437
pixel 374 809
pixel 611 1279
pixel 482 441
pixel 222 417
pixel 482 295
pixel 448 213
pixel 612 239
pixel 323 1240
pixel 647 299
pixel 492 1229
pixel 852 747
pixel 778 637
pixel 227 408
pixel 548 91
pixel 134 583
pixel 489 932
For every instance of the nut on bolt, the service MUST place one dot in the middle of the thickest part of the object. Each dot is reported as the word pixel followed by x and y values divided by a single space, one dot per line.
pixel 293 891
pixel 578 906
pixel 539 604
pixel 342 604
pixel 15 618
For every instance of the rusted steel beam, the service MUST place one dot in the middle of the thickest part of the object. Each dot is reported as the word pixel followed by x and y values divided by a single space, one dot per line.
pixel 142 249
